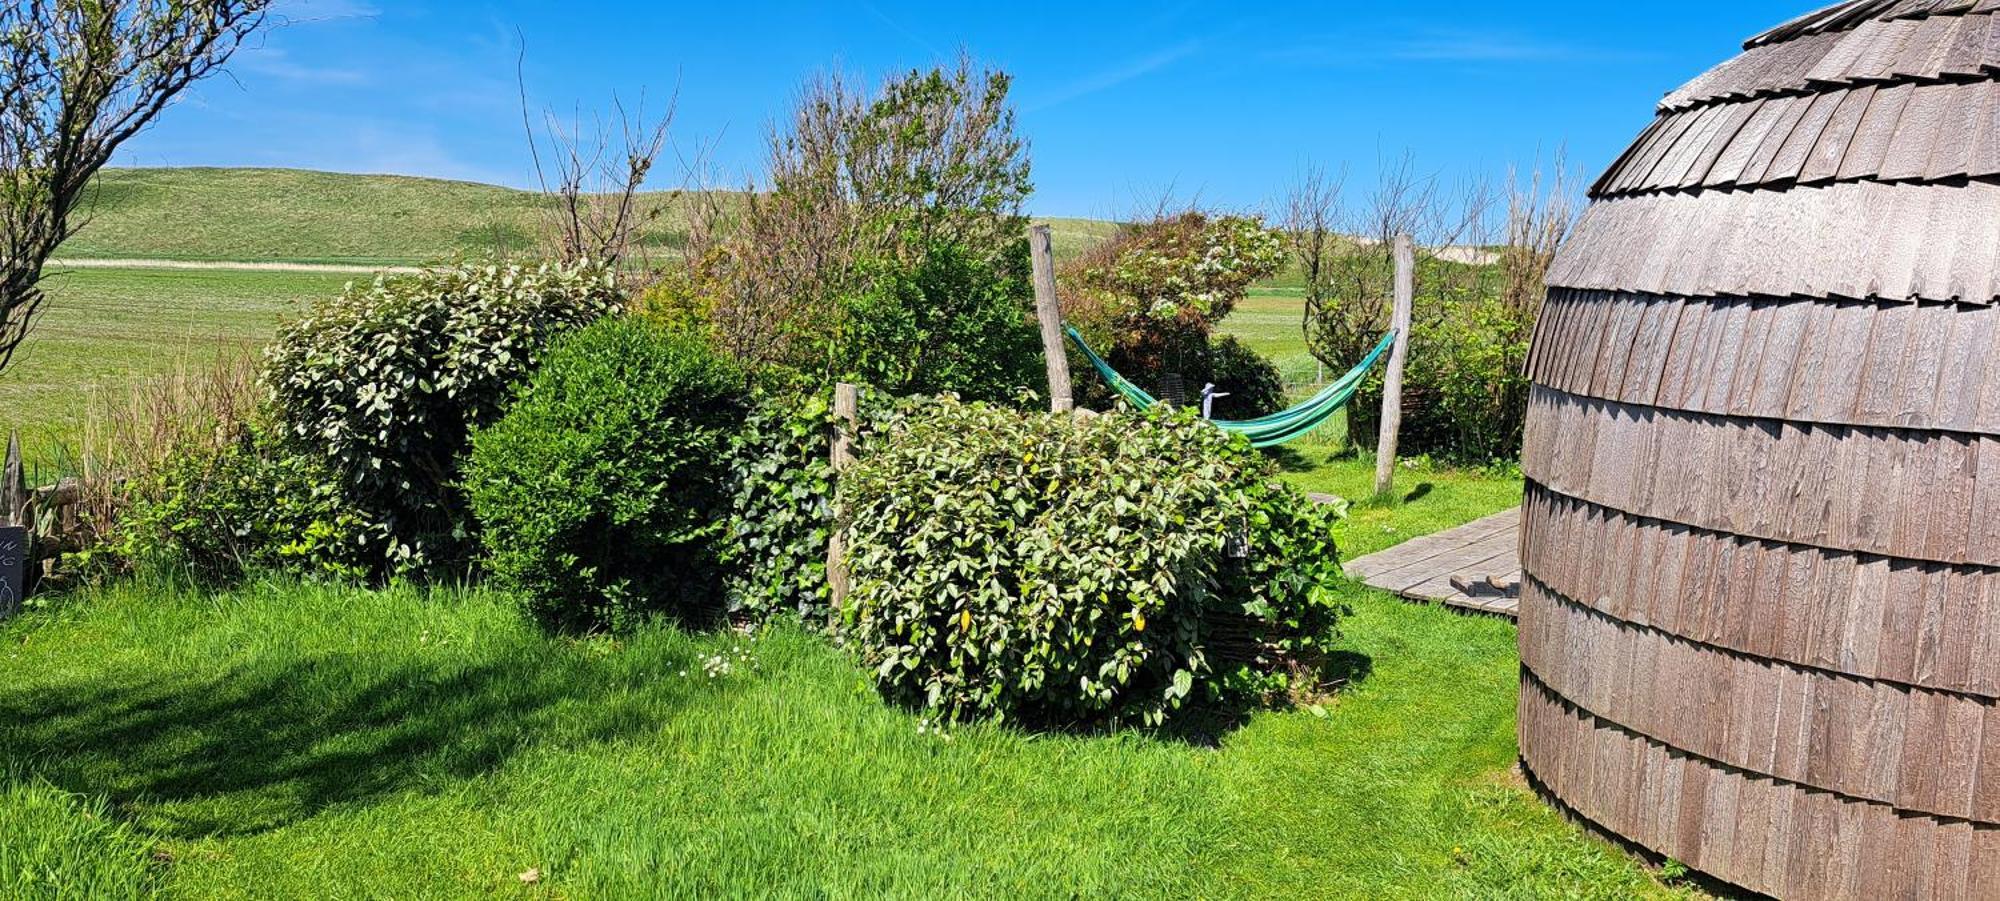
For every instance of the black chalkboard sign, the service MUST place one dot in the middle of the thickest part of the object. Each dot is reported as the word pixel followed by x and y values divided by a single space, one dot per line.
pixel 13 569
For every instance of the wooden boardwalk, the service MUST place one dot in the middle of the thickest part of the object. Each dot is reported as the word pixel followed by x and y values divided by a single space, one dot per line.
pixel 1475 567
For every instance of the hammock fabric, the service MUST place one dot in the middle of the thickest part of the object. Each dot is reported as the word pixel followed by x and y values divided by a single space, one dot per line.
pixel 1270 431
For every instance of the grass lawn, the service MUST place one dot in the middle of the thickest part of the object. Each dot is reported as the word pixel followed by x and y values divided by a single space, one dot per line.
pixel 103 329
pixel 308 741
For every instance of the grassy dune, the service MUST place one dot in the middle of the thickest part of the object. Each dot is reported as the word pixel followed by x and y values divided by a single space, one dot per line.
pixel 298 216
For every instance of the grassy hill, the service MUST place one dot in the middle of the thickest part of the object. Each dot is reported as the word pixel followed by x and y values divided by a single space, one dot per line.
pixel 298 216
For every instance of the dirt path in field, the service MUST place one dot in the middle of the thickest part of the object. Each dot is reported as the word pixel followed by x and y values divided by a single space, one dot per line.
pixel 61 264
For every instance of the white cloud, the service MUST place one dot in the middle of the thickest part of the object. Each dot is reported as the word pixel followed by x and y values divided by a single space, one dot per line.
pixel 1111 78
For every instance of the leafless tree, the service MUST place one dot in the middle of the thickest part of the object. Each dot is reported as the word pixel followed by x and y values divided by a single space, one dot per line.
pixel 1350 306
pixel 1311 223
pixel 1540 213
pixel 594 172
pixel 78 78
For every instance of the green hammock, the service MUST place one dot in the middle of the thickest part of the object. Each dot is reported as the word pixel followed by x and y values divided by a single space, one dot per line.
pixel 1276 429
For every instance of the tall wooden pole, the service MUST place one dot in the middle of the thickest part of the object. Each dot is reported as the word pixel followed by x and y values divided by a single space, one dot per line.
pixel 846 418
pixel 1048 309
pixel 1392 379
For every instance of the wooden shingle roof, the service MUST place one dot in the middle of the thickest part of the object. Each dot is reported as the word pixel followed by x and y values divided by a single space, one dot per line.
pixel 1760 603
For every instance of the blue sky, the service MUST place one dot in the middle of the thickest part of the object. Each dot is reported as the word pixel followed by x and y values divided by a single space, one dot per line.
pixel 1212 101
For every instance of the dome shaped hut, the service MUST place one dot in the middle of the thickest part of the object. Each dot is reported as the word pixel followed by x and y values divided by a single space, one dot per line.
pixel 1760 612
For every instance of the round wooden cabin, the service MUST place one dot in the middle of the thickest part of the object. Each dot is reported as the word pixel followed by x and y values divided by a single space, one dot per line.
pixel 1760 614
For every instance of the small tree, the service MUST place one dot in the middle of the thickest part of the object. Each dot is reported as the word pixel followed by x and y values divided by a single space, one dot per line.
pixel 78 78
pixel 862 188
pixel 1159 288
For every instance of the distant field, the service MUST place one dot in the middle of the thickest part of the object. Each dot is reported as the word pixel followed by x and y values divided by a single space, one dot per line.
pixel 107 328
pixel 297 216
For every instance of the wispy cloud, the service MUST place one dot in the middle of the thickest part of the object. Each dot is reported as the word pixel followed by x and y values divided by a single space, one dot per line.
pixel 898 28
pixel 1442 46
pixel 273 62
pixel 1110 78
pixel 298 12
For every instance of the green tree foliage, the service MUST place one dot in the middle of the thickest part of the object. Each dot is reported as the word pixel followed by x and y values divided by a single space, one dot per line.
pixel 950 324
pixel 1121 569
pixel 385 384
pixel 888 246
pixel 1153 295
pixel 603 494
pixel 250 502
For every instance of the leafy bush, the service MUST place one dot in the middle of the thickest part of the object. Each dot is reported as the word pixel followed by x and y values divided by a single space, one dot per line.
pixel 1034 568
pixel 1465 393
pixel 248 503
pixel 947 324
pixel 781 509
pixel 386 383
pixel 1151 298
pixel 603 493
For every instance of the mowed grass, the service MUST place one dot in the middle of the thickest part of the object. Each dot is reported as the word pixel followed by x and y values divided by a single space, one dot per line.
pixel 290 740
pixel 102 330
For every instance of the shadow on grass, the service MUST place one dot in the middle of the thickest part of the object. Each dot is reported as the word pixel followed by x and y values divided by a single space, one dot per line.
pixel 243 752
pixel 1423 490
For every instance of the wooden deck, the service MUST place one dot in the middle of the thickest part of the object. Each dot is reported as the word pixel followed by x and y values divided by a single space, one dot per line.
pixel 1472 567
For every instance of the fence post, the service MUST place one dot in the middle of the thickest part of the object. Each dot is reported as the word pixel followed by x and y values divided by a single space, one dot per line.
pixel 1048 309
pixel 846 418
pixel 1392 378
pixel 14 531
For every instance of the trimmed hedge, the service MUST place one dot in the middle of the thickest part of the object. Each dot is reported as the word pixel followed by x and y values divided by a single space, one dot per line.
pixel 1117 570
pixel 604 493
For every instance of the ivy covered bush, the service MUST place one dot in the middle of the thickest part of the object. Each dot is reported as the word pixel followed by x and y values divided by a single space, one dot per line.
pixel 248 502
pixel 781 508
pixel 604 493
pixel 1118 570
pixel 385 384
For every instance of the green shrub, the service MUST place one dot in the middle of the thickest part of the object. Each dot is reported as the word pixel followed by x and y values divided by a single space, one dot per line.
pixel 1465 394
pixel 1032 568
pixel 386 383
pixel 781 514
pixel 782 506
pixel 947 324
pixel 247 503
pixel 604 492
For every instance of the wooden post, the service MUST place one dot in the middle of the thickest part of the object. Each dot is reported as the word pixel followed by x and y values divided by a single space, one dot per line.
pixel 1392 378
pixel 1048 309
pixel 14 531
pixel 846 419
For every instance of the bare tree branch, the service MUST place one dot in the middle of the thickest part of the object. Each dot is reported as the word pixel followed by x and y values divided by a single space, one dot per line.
pixel 78 78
